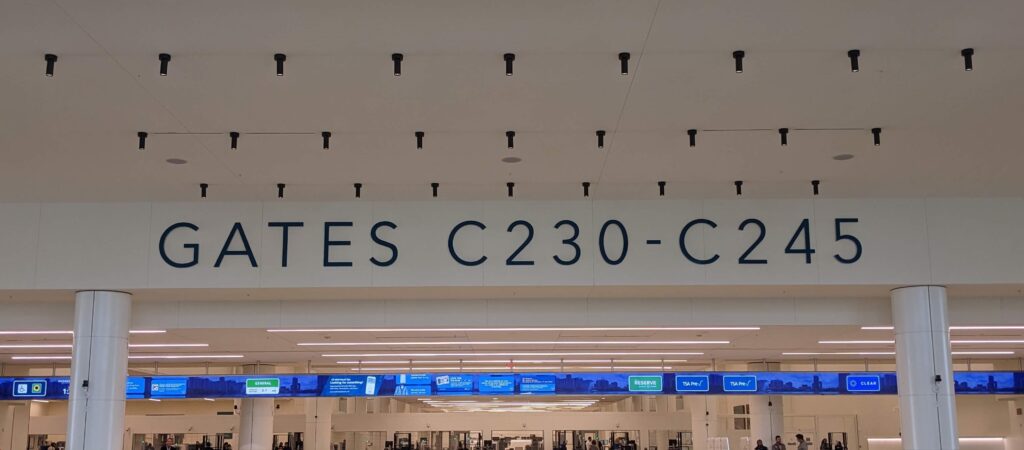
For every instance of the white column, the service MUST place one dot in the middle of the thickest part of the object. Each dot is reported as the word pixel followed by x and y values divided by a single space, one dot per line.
pixel 703 419
pixel 98 370
pixel 14 419
pixel 1016 437
pixel 318 423
pixel 924 368
pixel 6 425
pixel 256 416
pixel 766 418
pixel 256 430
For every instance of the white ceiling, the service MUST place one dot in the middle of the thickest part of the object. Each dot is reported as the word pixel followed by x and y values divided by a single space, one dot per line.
pixel 72 137
pixel 259 345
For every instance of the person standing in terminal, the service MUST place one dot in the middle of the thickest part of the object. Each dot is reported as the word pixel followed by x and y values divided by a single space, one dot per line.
pixel 801 444
pixel 824 445
pixel 760 445
pixel 778 445
pixel 839 446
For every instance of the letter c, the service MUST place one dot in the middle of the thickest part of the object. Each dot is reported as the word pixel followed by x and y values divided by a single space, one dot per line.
pixel 451 243
pixel 682 242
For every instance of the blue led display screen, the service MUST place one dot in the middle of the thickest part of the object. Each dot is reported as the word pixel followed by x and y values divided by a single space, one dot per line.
pixel 497 384
pixel 135 387
pixel 693 383
pixel 458 384
pixel 455 384
pixel 29 388
pixel 351 386
pixel 863 383
pixel 739 383
pixel 539 383
pixel 168 387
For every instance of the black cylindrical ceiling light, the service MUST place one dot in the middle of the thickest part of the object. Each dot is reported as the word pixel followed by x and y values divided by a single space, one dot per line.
pixel 600 138
pixel 359 189
pixel 814 186
pixel 876 135
pixel 142 140
pixel 51 60
pixel 739 187
pixel 202 189
pixel 738 56
pixel 692 132
pixel 968 54
pixel 510 185
pixel 661 188
pixel 509 57
pixel 397 58
pixel 280 58
pixel 327 139
pixel 624 63
pixel 510 136
pixel 419 139
pixel 280 190
pixel 433 188
pixel 854 60
pixel 784 136
pixel 586 189
pixel 165 59
pixel 234 139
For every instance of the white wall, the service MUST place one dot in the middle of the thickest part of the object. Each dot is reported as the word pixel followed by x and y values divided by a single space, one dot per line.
pixel 767 311
pixel 965 444
pixel 878 416
pixel 115 245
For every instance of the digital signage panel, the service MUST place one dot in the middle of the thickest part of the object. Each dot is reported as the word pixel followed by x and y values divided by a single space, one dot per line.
pixel 497 384
pixel 739 383
pixel 168 387
pixel 29 389
pixel 135 387
pixel 693 383
pixel 351 386
pixel 455 384
pixel 541 383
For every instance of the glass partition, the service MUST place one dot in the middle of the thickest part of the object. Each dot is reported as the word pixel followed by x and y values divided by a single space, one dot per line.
pixel 180 441
pixel 597 439
pixel 456 440
pixel 412 440
pixel 287 441
pixel 517 440
pixel 43 441
pixel 358 440
pixel 669 440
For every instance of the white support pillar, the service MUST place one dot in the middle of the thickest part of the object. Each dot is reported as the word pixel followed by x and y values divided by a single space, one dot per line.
pixel 98 370
pixel 14 419
pixel 924 368
pixel 318 423
pixel 766 411
pixel 703 419
pixel 1016 437
pixel 766 418
pixel 256 430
